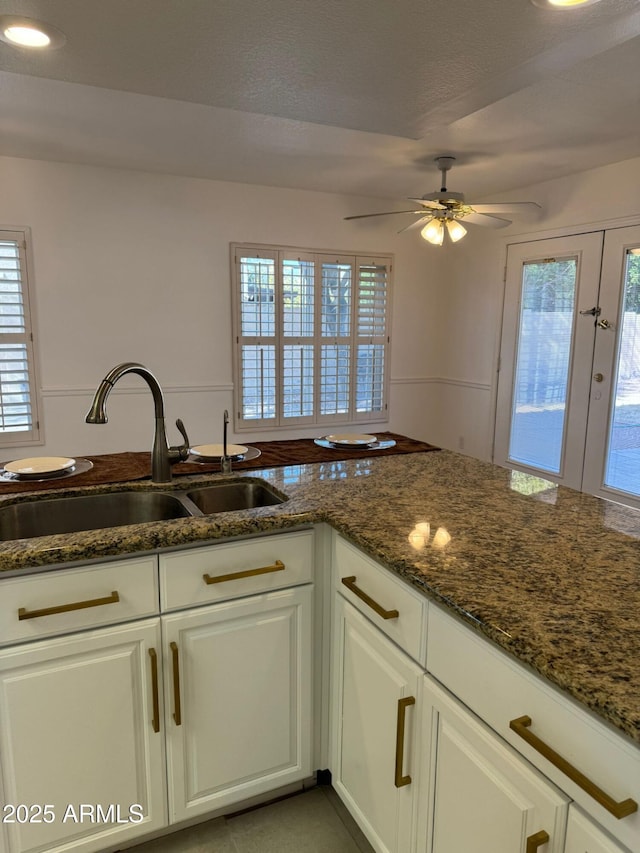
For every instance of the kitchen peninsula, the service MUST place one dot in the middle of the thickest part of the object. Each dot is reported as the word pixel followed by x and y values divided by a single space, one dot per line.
pixel 548 575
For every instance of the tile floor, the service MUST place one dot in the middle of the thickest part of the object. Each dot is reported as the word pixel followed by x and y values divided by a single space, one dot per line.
pixel 311 822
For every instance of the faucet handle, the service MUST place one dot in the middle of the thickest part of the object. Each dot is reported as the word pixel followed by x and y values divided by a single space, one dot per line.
pixel 182 450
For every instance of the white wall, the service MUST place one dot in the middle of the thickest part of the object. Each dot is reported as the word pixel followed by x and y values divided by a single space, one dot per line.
pixel 472 299
pixel 132 266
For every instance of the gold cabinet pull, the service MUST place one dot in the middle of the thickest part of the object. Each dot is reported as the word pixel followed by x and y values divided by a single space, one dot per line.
pixel 618 809
pixel 403 704
pixel 278 566
pixel 350 583
pixel 23 613
pixel 177 712
pixel 155 722
pixel 536 840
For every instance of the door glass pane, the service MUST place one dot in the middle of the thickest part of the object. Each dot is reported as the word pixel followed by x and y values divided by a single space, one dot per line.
pixel 543 358
pixel 622 470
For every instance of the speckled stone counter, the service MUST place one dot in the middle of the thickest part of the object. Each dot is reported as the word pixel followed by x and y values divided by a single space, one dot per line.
pixel 549 574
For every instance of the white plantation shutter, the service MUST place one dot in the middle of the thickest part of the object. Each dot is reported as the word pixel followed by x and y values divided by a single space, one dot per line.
pixel 298 324
pixel 256 335
pixel 336 327
pixel 18 397
pixel 312 337
pixel 372 335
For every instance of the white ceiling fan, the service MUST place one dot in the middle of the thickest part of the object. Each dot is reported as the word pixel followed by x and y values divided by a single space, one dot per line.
pixel 442 211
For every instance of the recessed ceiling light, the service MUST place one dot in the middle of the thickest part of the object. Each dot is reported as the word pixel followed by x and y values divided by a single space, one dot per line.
pixel 563 4
pixel 27 32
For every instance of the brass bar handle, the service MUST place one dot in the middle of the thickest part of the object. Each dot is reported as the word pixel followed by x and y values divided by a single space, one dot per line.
pixel 536 840
pixel 278 566
pixel 155 722
pixel 350 583
pixel 177 711
pixel 23 613
pixel 403 704
pixel 618 809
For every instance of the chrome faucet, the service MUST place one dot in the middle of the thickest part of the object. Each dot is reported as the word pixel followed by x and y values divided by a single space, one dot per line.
pixel 161 455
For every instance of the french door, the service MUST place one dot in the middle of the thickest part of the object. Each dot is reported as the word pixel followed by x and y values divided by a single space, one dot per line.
pixel 568 404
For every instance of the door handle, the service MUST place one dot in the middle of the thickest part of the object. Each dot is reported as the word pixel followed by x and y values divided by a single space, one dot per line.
pixel 400 779
pixel 350 583
pixel 536 840
pixel 155 694
pixel 624 808
pixel 175 658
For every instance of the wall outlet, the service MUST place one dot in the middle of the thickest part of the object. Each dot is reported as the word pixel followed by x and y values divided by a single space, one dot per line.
pixel 460 442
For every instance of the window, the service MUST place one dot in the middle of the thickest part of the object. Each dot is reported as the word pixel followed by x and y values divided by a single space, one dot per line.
pixel 311 337
pixel 18 398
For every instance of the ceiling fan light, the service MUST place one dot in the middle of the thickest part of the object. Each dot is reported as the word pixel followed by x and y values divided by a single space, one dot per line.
pixel 456 230
pixel 433 232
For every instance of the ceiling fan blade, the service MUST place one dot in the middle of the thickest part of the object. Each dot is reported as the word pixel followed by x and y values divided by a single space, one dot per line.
pixel 432 205
pixel 506 207
pixel 485 219
pixel 386 213
pixel 422 221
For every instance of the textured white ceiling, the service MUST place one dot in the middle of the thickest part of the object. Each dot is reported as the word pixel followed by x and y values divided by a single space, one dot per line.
pixel 354 96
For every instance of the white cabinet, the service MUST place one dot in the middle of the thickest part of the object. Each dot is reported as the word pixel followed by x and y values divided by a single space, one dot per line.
pixel 584 836
pixel 238 672
pixel 502 753
pixel 596 767
pixel 84 730
pixel 238 699
pixel 375 707
pixel 80 730
pixel 480 795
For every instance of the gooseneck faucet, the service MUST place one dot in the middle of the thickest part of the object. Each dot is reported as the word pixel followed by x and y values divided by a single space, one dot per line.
pixel 161 455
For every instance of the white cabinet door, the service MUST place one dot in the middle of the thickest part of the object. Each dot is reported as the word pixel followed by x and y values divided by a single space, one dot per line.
pixel 81 754
pixel 482 795
pixel 584 836
pixel 374 712
pixel 238 699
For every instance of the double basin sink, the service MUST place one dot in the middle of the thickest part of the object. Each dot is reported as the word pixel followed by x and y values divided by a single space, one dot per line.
pixel 72 514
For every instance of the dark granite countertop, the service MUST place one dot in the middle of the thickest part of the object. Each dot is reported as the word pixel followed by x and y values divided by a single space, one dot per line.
pixel 549 574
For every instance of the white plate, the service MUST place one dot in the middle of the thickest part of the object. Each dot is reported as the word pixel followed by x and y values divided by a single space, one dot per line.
pixel 351 438
pixel 216 451
pixel 39 466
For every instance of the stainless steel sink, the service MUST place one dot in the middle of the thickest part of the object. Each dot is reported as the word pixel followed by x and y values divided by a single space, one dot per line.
pixel 87 512
pixel 230 496
pixel 72 514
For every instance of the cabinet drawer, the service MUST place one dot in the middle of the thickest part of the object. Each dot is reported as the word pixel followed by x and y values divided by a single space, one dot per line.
pixel 218 572
pixel 500 690
pixel 400 613
pixel 60 601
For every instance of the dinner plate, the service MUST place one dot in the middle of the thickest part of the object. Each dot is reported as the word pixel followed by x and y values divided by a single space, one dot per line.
pixel 39 466
pixel 382 444
pixel 216 451
pixel 350 439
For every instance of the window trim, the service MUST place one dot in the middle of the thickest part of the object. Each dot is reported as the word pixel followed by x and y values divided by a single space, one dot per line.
pixel 34 436
pixel 278 253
